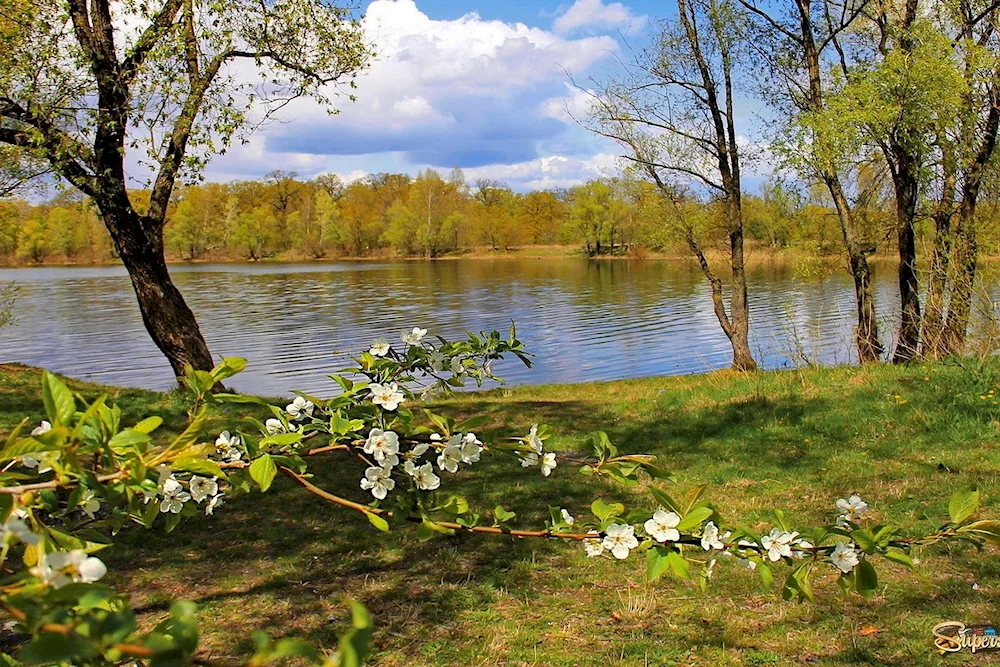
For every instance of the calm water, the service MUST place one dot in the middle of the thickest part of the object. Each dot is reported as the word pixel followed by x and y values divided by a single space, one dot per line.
pixel 585 320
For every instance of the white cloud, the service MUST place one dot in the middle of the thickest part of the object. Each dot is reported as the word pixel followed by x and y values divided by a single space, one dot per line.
pixel 462 92
pixel 545 173
pixel 569 108
pixel 590 13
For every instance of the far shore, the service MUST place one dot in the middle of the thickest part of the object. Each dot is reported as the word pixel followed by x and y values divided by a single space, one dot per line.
pixel 755 256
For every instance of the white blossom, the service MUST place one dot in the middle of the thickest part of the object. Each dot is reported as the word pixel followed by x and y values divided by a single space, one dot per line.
pixel 710 537
pixel 60 568
pixel 471 448
pixel 567 517
pixel 377 479
pixel 274 426
pixel 533 440
pixel 379 348
pixel 456 366
pixel 384 446
pixel 451 455
pixel 300 408
pixel 548 463
pixel 619 539
pixel 203 487
pixel 436 361
pixel 213 503
pixel 44 427
pixel 413 336
pixel 418 451
pixel 89 503
pixel 852 508
pixel 388 395
pixel 19 530
pixel 423 476
pixel 593 547
pixel 663 526
pixel 174 497
pixel 529 459
pixel 844 557
pixel 804 546
pixel 778 544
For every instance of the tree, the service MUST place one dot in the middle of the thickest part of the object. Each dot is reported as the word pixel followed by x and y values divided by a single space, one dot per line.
pixel 672 111
pixel 257 233
pixel 89 81
pixel 803 51
pixel 964 162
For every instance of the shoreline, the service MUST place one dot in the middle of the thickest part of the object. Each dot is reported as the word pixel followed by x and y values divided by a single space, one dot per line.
pixel 754 257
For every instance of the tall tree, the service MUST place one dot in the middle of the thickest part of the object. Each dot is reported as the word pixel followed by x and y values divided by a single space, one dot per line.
pixel 90 80
pixel 672 109
pixel 799 43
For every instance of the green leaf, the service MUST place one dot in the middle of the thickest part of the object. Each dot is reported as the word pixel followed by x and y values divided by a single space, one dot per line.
pixel 865 578
pixel 281 439
pixel 963 504
pixel 263 470
pixel 148 425
pixel 666 501
pixel 897 555
pixel 501 515
pixel 48 648
pixel 695 518
pixel 377 521
pixel 680 567
pixel 356 644
pixel 58 399
pixel 604 511
pixel 26 446
pixel 865 540
pixel 657 562
pixel 764 572
pixel 199 466
pixel 987 529
pixel 127 440
pixel 229 367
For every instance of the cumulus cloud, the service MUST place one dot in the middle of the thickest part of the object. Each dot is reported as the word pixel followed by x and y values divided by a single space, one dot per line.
pixel 462 92
pixel 546 173
pixel 591 13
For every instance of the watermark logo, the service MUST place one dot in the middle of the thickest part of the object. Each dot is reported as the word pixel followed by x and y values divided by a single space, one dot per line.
pixel 952 637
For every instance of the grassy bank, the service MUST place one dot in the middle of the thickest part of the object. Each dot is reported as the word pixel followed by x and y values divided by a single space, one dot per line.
pixel 902 437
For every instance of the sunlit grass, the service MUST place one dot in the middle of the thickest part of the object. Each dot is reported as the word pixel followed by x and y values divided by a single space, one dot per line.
pixel 904 438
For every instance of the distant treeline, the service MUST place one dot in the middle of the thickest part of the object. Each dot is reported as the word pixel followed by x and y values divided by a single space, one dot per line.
pixel 429 216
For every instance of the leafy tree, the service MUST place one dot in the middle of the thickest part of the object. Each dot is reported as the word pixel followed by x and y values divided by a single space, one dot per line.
pixel 671 109
pixel 257 233
pixel 85 83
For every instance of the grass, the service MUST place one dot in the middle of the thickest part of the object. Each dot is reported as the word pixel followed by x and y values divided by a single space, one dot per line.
pixel 904 438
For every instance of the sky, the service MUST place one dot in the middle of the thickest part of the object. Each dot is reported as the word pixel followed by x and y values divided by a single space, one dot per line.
pixel 482 85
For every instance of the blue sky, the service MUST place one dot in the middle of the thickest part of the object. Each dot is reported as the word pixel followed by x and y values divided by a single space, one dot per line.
pixel 476 85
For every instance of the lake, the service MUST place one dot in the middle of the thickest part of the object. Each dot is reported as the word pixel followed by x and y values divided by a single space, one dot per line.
pixel 584 319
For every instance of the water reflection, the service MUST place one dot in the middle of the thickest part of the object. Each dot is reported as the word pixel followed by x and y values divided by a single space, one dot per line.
pixel 586 320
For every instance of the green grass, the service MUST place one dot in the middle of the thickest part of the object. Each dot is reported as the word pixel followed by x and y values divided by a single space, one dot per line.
pixel 904 438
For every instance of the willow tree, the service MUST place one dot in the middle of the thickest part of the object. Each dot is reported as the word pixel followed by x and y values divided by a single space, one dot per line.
pixel 88 88
pixel 963 167
pixel 799 44
pixel 672 110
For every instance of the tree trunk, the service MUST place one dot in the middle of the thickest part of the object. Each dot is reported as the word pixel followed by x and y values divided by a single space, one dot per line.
pixel 905 186
pixel 932 332
pixel 742 358
pixel 169 321
pixel 869 346
pixel 960 304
